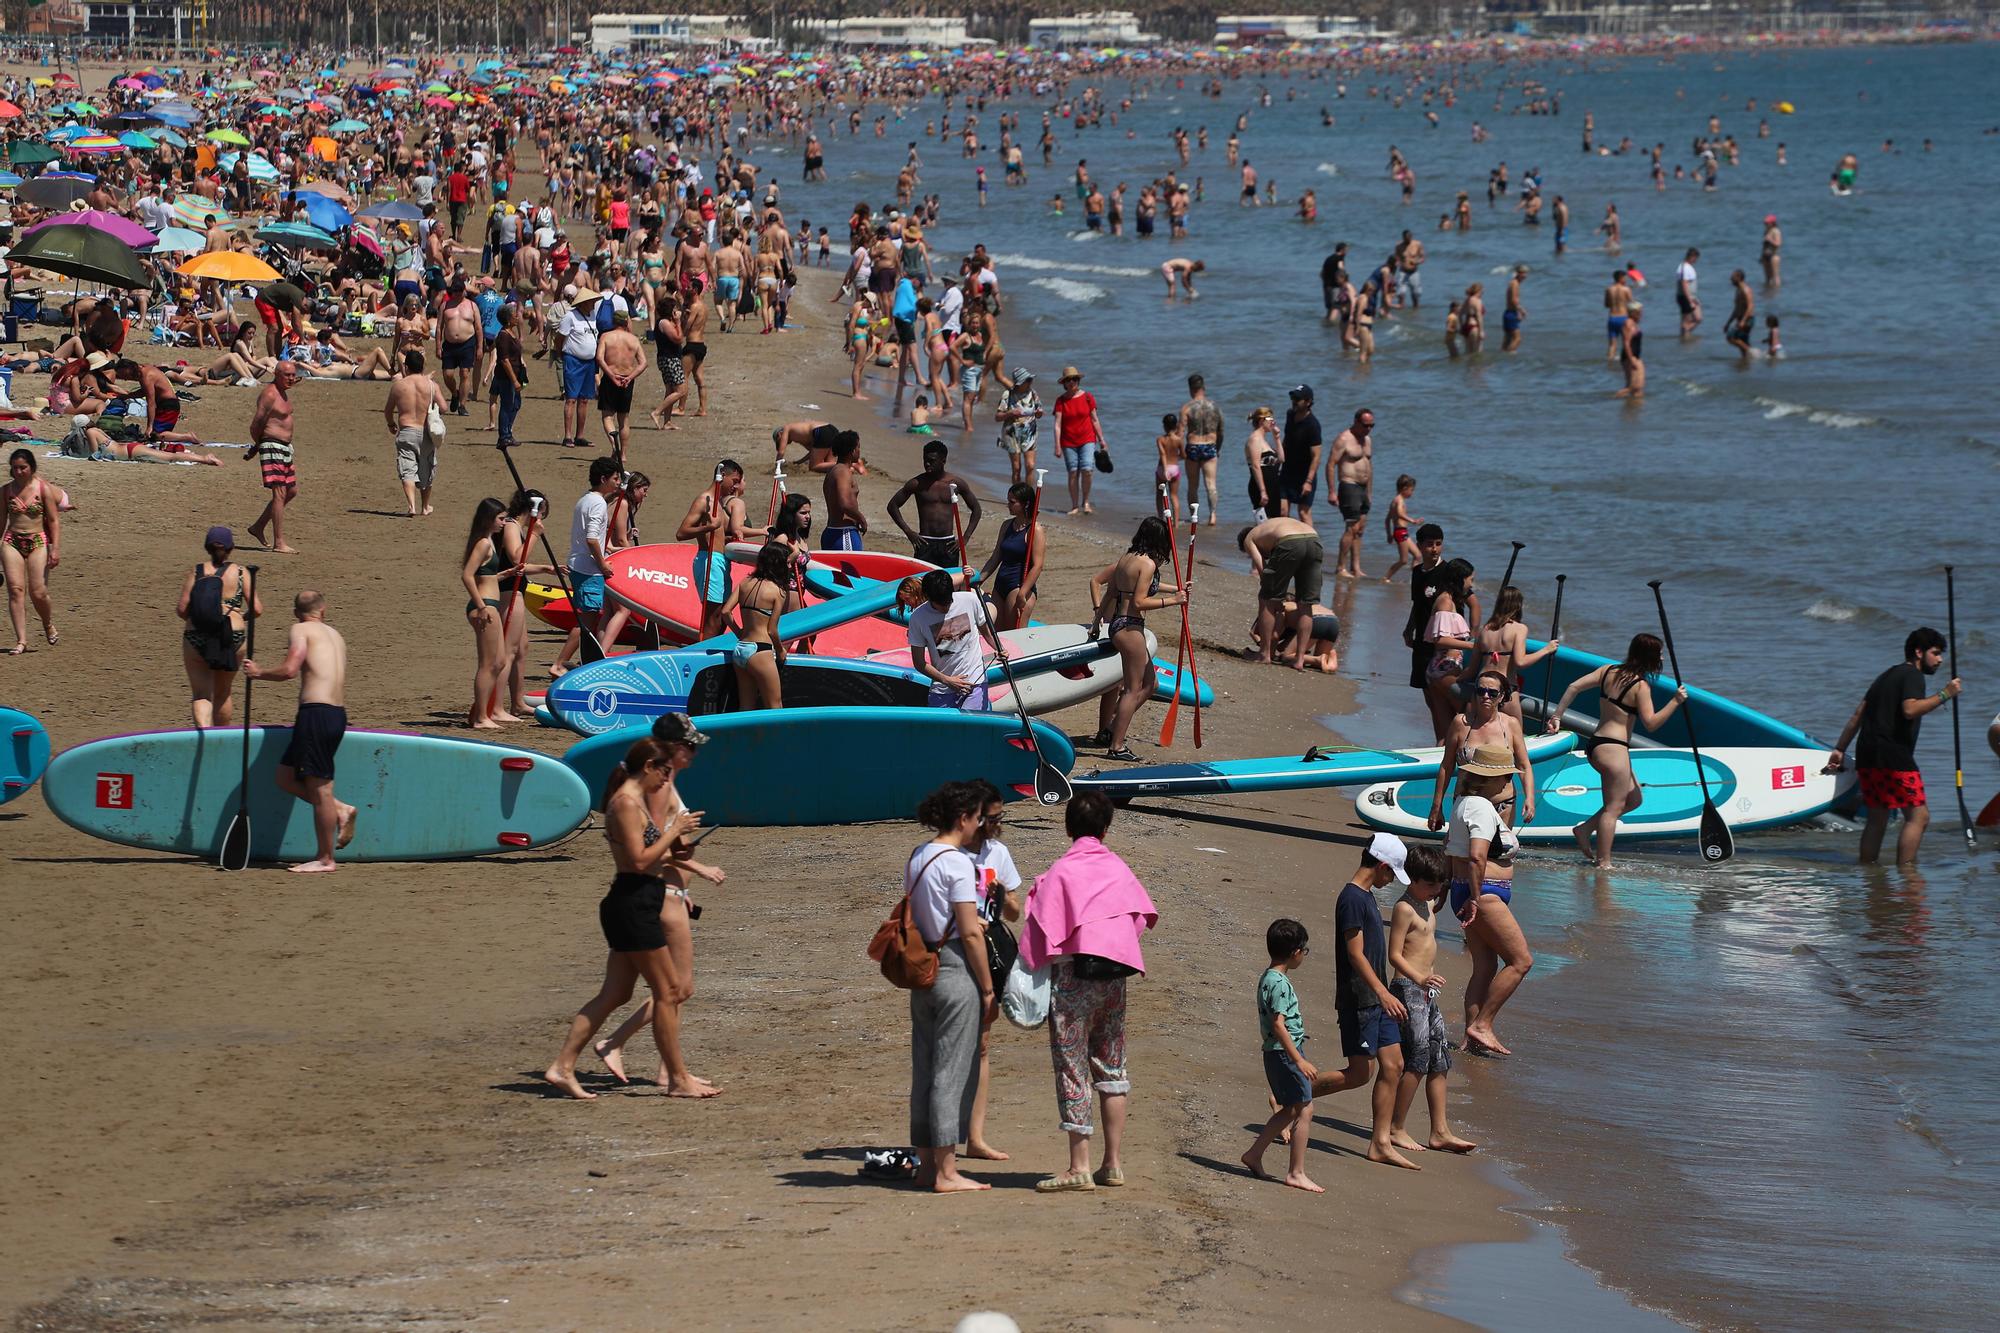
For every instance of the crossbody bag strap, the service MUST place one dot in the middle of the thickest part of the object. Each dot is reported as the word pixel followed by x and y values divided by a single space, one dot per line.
pixel 910 887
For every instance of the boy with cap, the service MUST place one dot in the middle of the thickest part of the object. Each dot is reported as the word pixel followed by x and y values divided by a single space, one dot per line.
pixel 1370 1016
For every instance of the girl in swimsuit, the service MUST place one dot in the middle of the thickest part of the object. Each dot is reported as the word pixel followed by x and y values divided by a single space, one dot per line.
pixel 1450 638
pixel 510 541
pixel 211 686
pixel 792 529
pixel 760 653
pixel 480 572
pixel 1016 563
pixel 1486 722
pixel 645 919
pixel 1120 607
pixel 1626 696
pixel 1481 846
pixel 30 547
pixel 1501 644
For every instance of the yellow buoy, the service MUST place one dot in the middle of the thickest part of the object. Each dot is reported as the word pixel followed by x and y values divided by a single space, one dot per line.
pixel 1785 108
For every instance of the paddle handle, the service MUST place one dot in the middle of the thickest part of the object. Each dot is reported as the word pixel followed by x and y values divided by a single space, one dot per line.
pixel 1673 659
pixel 1508 577
pixel 249 651
pixel 1957 754
pixel 1549 662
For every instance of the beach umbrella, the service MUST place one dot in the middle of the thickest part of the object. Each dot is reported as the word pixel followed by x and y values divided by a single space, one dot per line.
pixel 133 139
pixel 437 87
pixel 323 148
pixel 299 235
pixel 95 143
pixel 28 154
pixel 83 253
pixel 440 103
pixel 111 224
pixel 227 136
pixel 194 211
pixel 396 210
pixel 323 212
pixel 136 85
pixel 360 234
pixel 8 110
pixel 67 175
pixel 329 189
pixel 229 266
pixel 348 126
pixel 239 85
pixel 64 133
pixel 8 180
pixel 180 241
pixel 52 192
pixel 168 136
pixel 260 166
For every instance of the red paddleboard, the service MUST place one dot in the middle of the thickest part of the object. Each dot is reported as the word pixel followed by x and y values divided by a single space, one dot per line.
pixel 657 582
pixel 556 614
pixel 884 566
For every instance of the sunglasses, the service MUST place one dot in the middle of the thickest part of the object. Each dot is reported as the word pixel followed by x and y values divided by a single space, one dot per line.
pixel 1486 693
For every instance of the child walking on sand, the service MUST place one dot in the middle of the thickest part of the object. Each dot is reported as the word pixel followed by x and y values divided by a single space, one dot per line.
pixel 1398 526
pixel 1287 1071
pixel 1167 472
pixel 1426 1044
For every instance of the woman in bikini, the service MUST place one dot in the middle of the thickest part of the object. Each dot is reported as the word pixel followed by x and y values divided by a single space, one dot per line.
pixel 644 915
pixel 1502 644
pixel 1016 563
pixel 759 601
pixel 480 572
pixel 1120 607
pixel 1486 721
pixel 1626 696
pixel 937 352
pixel 512 543
pixel 212 659
pixel 792 529
pixel 1481 846
pixel 30 547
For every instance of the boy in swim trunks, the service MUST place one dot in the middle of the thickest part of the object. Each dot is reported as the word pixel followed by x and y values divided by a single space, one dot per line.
pixel 1426 1043
pixel 1399 523
pixel 317 654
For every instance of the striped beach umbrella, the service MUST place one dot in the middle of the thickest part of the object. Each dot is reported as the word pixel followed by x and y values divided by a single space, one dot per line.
pixel 194 211
pixel 261 169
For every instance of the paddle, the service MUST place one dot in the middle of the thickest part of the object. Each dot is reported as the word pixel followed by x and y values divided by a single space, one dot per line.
pixel 777 492
pixel 1180 651
pixel 235 851
pixel 514 598
pixel 1555 632
pixel 1957 756
pixel 592 648
pixel 1187 629
pixel 1508 577
pixel 701 566
pixel 1051 783
pixel 1715 839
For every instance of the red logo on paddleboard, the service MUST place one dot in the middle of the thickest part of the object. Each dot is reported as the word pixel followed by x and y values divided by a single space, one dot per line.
pixel 114 791
pixel 1788 779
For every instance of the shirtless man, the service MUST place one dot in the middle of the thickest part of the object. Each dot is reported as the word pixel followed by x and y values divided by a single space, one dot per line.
pixel 1774 241
pixel 1182 271
pixel 1412 259
pixel 460 341
pixel 845 524
pixel 271 441
pixel 694 328
pixel 726 263
pixel 715 518
pixel 1285 555
pixel 412 394
pixel 621 359
pixel 318 656
pixel 1350 477
pixel 1617 305
pixel 817 438
pixel 163 404
pixel 1515 314
pixel 934 538
pixel 1740 328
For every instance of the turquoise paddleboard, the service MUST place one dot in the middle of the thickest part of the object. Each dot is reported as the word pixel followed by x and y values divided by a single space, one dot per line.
pixel 422 798
pixel 1719 722
pixel 1752 787
pixel 24 752
pixel 1322 766
pixel 836 765
pixel 633 689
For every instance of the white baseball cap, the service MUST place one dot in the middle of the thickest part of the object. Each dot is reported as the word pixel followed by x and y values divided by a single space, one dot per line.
pixel 1390 851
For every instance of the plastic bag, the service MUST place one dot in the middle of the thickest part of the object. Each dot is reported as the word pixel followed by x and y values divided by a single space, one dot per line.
pixel 1025 997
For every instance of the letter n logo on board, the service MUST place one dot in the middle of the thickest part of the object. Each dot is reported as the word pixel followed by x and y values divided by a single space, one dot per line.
pixel 1788 779
pixel 114 791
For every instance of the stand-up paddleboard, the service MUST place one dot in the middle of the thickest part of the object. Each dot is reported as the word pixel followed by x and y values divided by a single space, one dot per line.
pixel 633 690
pixel 833 573
pixel 1721 722
pixel 1056 665
pixel 1321 766
pixel 24 752
pixel 814 766
pixel 422 798
pixel 657 581
pixel 1753 788
pixel 551 607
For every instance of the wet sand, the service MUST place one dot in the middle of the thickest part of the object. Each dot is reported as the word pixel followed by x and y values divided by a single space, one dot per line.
pixel 249 1099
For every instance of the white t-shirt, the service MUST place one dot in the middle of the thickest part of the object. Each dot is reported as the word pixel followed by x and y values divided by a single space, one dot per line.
pixel 579 334
pixel 1476 817
pixel 1686 274
pixel 938 877
pixel 586 522
pixel 995 866
pixel 950 307
pixel 951 637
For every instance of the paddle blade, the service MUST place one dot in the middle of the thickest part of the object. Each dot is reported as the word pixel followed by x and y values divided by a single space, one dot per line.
pixel 235 853
pixel 1990 816
pixel 1716 842
pixel 1051 784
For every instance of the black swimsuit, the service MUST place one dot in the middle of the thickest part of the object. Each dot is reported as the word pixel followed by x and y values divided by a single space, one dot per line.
pixel 1625 703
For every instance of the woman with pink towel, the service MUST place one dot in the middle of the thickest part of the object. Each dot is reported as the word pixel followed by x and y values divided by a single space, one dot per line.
pixel 1085 916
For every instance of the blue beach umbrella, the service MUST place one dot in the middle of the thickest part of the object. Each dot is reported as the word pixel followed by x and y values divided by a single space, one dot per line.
pixel 298 234
pixel 133 139
pixel 324 213
pixel 8 180
pixel 180 241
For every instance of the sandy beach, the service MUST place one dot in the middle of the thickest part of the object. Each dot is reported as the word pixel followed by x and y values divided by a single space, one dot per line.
pixel 245 1100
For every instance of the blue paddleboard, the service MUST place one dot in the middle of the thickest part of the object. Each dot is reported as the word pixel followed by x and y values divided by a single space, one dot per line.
pixel 422 798
pixel 806 766
pixel 1322 766
pixel 24 752
pixel 1719 722
pixel 633 689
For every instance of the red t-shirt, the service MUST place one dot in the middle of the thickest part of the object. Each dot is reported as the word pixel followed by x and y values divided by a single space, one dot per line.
pixel 1073 413
pixel 459 187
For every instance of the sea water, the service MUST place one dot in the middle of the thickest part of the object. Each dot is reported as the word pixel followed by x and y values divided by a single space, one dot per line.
pixel 1751 1094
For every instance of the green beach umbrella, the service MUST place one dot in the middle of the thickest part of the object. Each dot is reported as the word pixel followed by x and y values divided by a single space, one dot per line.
pixel 226 136
pixel 81 252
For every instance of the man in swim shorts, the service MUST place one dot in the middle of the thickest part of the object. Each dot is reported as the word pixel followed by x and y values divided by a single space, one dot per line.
pixel 271 443
pixel 715 518
pixel 935 538
pixel 1350 475
pixel 407 412
pixel 1887 721
pixel 621 359
pixel 317 654
pixel 589 522
pixel 1617 304
pixel 1286 556
pixel 459 343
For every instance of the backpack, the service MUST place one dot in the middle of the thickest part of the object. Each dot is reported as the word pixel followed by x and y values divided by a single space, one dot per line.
pixel 907 961
pixel 205 611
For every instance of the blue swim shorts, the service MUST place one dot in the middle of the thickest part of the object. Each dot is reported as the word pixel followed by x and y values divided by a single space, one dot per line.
pixel 1367 1031
pixel 579 378
pixel 713 577
pixel 1287 1081
pixel 589 591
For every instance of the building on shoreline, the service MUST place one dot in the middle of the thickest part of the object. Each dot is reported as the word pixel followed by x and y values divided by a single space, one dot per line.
pixel 650 32
pixel 1108 27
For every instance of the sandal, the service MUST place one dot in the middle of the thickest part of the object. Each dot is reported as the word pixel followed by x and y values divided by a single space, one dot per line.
pixel 1065 1183
pixel 17 650
pixel 54 637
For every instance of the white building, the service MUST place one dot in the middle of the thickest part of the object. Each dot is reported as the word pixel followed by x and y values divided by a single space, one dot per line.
pixel 1110 27
pixel 1285 29
pixel 648 32
pixel 914 31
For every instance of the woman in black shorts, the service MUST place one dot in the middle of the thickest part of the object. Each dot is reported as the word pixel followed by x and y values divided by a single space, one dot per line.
pixel 634 913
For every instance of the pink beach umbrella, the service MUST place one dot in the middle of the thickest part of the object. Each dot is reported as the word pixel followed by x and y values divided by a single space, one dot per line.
pixel 123 228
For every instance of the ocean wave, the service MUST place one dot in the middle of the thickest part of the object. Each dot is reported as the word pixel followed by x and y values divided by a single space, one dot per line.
pixel 1833 609
pixel 1693 390
pixel 1069 289
pixel 1086 235
pixel 1327 169
pixel 1034 265
pixel 1776 409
